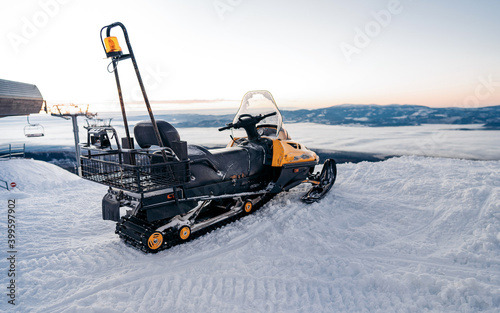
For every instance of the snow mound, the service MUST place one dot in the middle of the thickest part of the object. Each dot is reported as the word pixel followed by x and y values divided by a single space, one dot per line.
pixel 34 175
pixel 410 234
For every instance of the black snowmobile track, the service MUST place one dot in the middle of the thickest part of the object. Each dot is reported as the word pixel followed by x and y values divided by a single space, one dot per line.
pixel 135 231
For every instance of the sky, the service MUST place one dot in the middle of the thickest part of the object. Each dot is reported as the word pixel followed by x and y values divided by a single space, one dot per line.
pixel 308 54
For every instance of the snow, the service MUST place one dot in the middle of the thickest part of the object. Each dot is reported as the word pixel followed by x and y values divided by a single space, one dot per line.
pixel 361 119
pixel 410 234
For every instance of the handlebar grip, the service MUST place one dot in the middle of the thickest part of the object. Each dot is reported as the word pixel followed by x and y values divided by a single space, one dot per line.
pixel 226 127
pixel 270 114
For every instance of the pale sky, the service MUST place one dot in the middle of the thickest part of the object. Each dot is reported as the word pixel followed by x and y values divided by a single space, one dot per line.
pixel 306 53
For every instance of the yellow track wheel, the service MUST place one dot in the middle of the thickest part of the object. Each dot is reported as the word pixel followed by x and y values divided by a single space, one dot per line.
pixel 185 232
pixel 248 206
pixel 155 241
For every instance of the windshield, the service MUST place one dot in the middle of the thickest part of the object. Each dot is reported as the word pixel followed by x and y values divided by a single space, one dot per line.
pixel 260 102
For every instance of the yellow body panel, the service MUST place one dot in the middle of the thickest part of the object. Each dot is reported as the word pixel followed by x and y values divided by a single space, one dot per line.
pixel 288 151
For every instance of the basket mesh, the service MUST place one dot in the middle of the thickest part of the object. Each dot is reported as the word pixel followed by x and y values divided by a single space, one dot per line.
pixel 148 172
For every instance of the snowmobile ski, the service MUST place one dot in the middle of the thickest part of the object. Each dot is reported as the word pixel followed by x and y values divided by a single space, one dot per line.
pixel 322 182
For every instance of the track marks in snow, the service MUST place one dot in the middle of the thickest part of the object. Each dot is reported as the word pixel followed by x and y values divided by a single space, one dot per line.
pixel 191 254
pixel 405 235
pixel 234 293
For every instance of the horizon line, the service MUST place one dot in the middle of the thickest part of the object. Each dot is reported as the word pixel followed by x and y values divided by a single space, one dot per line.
pixel 288 106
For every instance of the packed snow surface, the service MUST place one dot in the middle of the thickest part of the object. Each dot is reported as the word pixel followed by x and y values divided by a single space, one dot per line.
pixel 409 234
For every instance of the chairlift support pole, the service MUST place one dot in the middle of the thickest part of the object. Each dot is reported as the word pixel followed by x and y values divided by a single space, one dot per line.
pixel 74 120
pixel 77 144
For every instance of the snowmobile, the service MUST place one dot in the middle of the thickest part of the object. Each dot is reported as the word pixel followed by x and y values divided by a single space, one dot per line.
pixel 167 191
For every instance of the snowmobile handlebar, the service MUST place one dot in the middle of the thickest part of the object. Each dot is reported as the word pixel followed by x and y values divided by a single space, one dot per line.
pixel 249 123
pixel 245 120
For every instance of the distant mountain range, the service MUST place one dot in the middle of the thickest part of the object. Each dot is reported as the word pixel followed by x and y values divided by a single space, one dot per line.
pixel 396 115
pixel 363 115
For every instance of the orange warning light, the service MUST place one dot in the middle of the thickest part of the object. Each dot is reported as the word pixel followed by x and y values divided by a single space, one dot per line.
pixel 112 47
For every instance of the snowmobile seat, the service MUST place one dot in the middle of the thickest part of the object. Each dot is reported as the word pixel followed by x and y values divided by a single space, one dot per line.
pixel 214 165
pixel 145 135
pixel 226 160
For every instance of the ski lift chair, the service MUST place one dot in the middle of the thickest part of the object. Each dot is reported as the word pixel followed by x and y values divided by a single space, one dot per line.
pixel 33 130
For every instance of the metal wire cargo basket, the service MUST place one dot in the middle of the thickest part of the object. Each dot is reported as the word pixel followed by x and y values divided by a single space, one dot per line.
pixel 135 172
